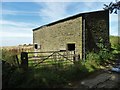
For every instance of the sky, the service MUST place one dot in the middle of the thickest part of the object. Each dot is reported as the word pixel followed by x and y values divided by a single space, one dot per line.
pixel 19 18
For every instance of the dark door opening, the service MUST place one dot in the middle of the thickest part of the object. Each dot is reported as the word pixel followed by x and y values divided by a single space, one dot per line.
pixel 71 47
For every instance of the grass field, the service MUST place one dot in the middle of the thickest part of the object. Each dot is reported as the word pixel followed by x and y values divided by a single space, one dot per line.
pixel 115 40
pixel 55 74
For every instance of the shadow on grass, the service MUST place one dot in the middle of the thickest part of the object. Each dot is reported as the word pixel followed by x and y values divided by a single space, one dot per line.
pixel 40 77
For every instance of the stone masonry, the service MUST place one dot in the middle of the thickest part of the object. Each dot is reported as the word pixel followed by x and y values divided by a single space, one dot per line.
pixel 72 30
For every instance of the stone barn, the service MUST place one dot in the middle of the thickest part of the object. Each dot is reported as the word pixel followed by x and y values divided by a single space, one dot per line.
pixel 80 33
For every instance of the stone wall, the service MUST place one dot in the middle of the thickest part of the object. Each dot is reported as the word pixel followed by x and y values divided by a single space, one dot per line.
pixel 57 36
pixel 97 27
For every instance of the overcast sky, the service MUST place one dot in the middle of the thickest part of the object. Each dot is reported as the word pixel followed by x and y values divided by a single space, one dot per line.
pixel 17 19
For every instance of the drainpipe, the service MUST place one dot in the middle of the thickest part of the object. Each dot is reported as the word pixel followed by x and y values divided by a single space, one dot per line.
pixel 84 39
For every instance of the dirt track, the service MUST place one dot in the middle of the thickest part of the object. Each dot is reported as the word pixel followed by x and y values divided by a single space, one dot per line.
pixel 103 80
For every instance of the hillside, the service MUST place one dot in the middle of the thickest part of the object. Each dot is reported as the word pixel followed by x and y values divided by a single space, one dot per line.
pixel 114 40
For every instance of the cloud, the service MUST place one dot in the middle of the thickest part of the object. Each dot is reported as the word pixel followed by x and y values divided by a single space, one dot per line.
pixel 56 0
pixel 92 6
pixel 114 17
pixel 54 10
pixel 12 23
pixel 13 12
pixel 8 12
pixel 90 3
pixel 114 24
pixel 51 10
pixel 114 31
pixel 15 29
pixel 16 24
pixel 11 41
pixel 14 34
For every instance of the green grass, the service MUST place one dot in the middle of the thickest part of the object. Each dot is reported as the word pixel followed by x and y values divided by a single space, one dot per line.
pixel 49 77
pixel 55 73
pixel 114 40
pixel 95 60
pixel 115 44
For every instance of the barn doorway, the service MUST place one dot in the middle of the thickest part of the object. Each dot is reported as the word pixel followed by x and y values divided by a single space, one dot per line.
pixel 71 47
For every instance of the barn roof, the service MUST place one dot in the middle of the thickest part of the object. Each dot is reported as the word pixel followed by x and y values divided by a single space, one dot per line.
pixel 68 18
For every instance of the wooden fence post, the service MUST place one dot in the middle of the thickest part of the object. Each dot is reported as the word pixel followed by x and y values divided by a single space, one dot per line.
pixel 74 57
pixel 24 60
pixel 17 60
